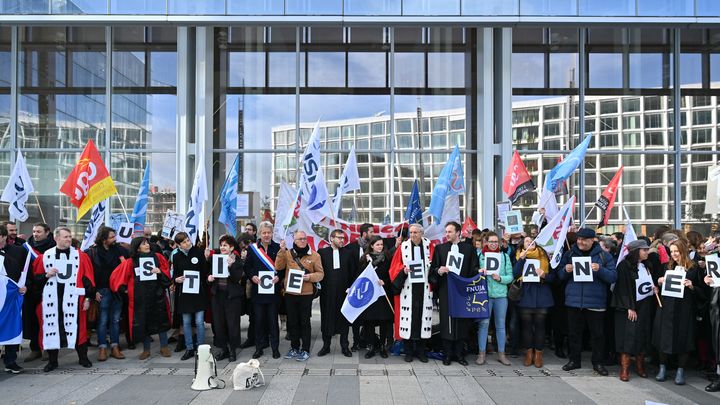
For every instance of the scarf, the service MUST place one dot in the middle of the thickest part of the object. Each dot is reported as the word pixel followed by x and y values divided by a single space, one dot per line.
pixel 537 254
pixel 300 252
pixel 377 258
pixel 486 249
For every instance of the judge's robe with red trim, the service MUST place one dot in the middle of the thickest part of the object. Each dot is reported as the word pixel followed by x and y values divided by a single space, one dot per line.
pixel 148 303
pixel 85 280
pixel 413 302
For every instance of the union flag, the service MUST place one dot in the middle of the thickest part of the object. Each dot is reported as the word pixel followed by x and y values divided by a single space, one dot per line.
pixel 607 199
pixel 517 179
pixel 89 182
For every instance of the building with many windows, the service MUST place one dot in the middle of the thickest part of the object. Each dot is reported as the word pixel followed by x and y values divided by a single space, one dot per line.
pixel 168 80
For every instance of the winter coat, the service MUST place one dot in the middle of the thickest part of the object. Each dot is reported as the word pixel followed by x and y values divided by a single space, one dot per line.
pixel 591 295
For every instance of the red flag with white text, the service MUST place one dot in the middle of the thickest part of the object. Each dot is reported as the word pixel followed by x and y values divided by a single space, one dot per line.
pixel 517 179
pixel 607 199
pixel 467 227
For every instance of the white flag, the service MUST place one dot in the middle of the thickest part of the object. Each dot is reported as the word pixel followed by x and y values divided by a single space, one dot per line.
pixel 567 220
pixel 451 212
pixel 552 236
pixel 198 195
pixel 285 205
pixel 97 216
pixel 18 190
pixel 315 201
pixel 628 237
pixel 712 200
pixel 349 181
pixel 549 203
pixel 363 293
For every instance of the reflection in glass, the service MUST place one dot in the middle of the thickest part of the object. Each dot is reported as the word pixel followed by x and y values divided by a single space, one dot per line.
pixel 607 7
pixel 489 7
pixel 665 7
pixel 527 70
pixel 216 7
pixel 367 69
pixel 709 8
pixel 605 70
pixel 314 7
pixel 646 70
pixel 372 7
pixel 255 7
pixel 548 7
pixel 138 6
pixel 430 7
pixel 79 7
pixel 25 6
pixel 326 69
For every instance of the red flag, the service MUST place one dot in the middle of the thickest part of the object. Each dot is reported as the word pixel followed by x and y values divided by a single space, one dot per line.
pixel 517 179
pixel 89 182
pixel 607 199
pixel 467 227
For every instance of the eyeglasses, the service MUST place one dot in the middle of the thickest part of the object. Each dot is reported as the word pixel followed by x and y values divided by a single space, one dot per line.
pixel 300 239
pixel 340 237
pixel 493 242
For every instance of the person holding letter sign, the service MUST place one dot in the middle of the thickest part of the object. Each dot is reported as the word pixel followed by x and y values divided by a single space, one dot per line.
pixel 586 302
pixel 712 290
pixel 65 276
pixel 497 267
pixel 674 328
pixel 460 256
pixel 106 255
pixel 633 301
pixel 190 271
pixel 533 263
pixel 145 277
pixel 302 268
pixel 228 295
pixel 260 269
pixel 413 298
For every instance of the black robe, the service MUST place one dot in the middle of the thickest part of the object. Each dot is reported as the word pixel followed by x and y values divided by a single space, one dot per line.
pixel 334 284
pixel 452 328
pixel 190 303
pixel 630 337
pixel 380 310
pixel 713 295
pixel 674 329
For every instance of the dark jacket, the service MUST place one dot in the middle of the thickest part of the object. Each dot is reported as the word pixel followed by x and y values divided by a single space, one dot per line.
pixel 194 260
pixel 14 261
pixel 536 295
pixel 233 284
pixel 335 283
pixel 105 261
pixel 588 295
pixel 253 265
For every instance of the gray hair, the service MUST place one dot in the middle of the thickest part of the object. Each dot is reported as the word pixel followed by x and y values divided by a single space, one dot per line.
pixel 422 230
pixel 57 230
pixel 265 224
pixel 668 237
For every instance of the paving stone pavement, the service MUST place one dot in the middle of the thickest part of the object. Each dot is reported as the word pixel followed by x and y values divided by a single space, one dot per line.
pixel 335 379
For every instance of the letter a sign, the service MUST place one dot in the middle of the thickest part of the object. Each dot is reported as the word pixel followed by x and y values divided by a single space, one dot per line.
pixel 530 274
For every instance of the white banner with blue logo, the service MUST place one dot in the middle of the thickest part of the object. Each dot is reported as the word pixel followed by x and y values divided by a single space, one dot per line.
pixel 363 293
pixel 11 302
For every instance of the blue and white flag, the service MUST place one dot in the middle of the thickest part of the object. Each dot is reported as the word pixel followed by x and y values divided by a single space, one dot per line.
pixel 363 293
pixel 117 219
pixel 312 190
pixel 450 182
pixel 139 213
pixel 198 195
pixel 468 297
pixel 18 190
pixel 565 169
pixel 96 219
pixel 11 302
pixel 413 214
pixel 228 199
pixel 349 180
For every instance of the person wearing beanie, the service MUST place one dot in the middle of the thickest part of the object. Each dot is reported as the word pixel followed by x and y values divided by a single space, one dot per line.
pixel 586 302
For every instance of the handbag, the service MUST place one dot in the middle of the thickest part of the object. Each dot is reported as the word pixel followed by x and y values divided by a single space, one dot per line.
pixel 515 291
pixel 248 376
pixel 93 311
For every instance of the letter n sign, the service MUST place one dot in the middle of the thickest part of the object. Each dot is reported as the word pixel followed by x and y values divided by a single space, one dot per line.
pixel 582 269
pixel 417 271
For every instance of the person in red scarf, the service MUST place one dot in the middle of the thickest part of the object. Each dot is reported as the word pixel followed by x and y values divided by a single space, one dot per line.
pixel 413 299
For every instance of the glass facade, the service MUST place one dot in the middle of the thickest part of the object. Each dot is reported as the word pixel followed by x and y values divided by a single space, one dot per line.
pixel 402 94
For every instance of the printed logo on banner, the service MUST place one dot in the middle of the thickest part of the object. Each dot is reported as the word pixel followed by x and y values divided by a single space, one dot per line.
pixel 361 293
pixel 582 269
pixel 144 269
pixel 673 285
pixel 530 271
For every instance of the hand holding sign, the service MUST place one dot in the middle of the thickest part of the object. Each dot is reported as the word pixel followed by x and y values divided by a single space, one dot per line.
pixel 191 282
pixel 531 271
pixel 295 281
pixel 713 269
pixel 220 266
pixel 145 269
pixel 454 260
pixel 582 269
pixel 125 232
pixel 492 263
pixel 265 282
pixel 416 271
pixel 673 284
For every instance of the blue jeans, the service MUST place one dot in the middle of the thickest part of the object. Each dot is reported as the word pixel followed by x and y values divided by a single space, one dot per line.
pixel 499 307
pixel 163 341
pixel 187 328
pixel 110 309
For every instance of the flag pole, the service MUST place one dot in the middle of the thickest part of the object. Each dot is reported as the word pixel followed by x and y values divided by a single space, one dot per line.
pixel 123 207
pixel 588 216
pixel 388 301
pixel 42 215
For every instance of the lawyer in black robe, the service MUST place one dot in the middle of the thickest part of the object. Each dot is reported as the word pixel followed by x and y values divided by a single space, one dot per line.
pixel 379 313
pixel 454 331
pixel 335 283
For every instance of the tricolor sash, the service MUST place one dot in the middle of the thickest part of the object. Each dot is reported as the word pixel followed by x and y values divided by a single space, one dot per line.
pixel 263 256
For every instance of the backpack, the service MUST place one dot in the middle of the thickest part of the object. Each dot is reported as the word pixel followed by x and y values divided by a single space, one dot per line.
pixel 248 376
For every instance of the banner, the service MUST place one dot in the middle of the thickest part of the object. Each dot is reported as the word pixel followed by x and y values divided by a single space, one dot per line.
pixel 173 224
pixel 89 181
pixel 141 203
pixel 96 219
pixel 517 180
pixel 467 297
pixel 630 236
pixel 468 227
pixel 18 190
pixel 607 199
pixel 712 196
pixel 312 189
pixel 11 302
pixel 363 293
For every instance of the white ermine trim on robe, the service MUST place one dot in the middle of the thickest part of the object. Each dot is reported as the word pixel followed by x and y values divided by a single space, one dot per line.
pixel 406 296
pixel 70 302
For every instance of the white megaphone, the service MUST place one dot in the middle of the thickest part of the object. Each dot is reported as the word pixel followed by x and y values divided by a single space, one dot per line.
pixel 205 370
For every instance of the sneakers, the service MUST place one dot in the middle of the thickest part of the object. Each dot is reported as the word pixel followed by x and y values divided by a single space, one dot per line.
pixel 291 354
pixel 302 356
pixel 13 369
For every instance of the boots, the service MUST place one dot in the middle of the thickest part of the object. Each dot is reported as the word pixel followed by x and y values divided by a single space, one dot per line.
pixel 82 355
pixel 480 359
pixel 538 358
pixel 640 365
pixel 680 377
pixel 528 358
pixel 232 356
pixel 661 373
pixel 624 367
pixel 116 353
pixel 102 354
pixel 164 351
pixel 503 359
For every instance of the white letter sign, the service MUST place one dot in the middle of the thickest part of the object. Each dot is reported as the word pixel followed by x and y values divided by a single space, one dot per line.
pixel 530 274
pixel 673 285
pixel 144 270
pixel 582 269
pixel 266 286
pixel 191 285
pixel 294 281
pixel 125 233
pixel 492 263
pixel 220 266
pixel 454 260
